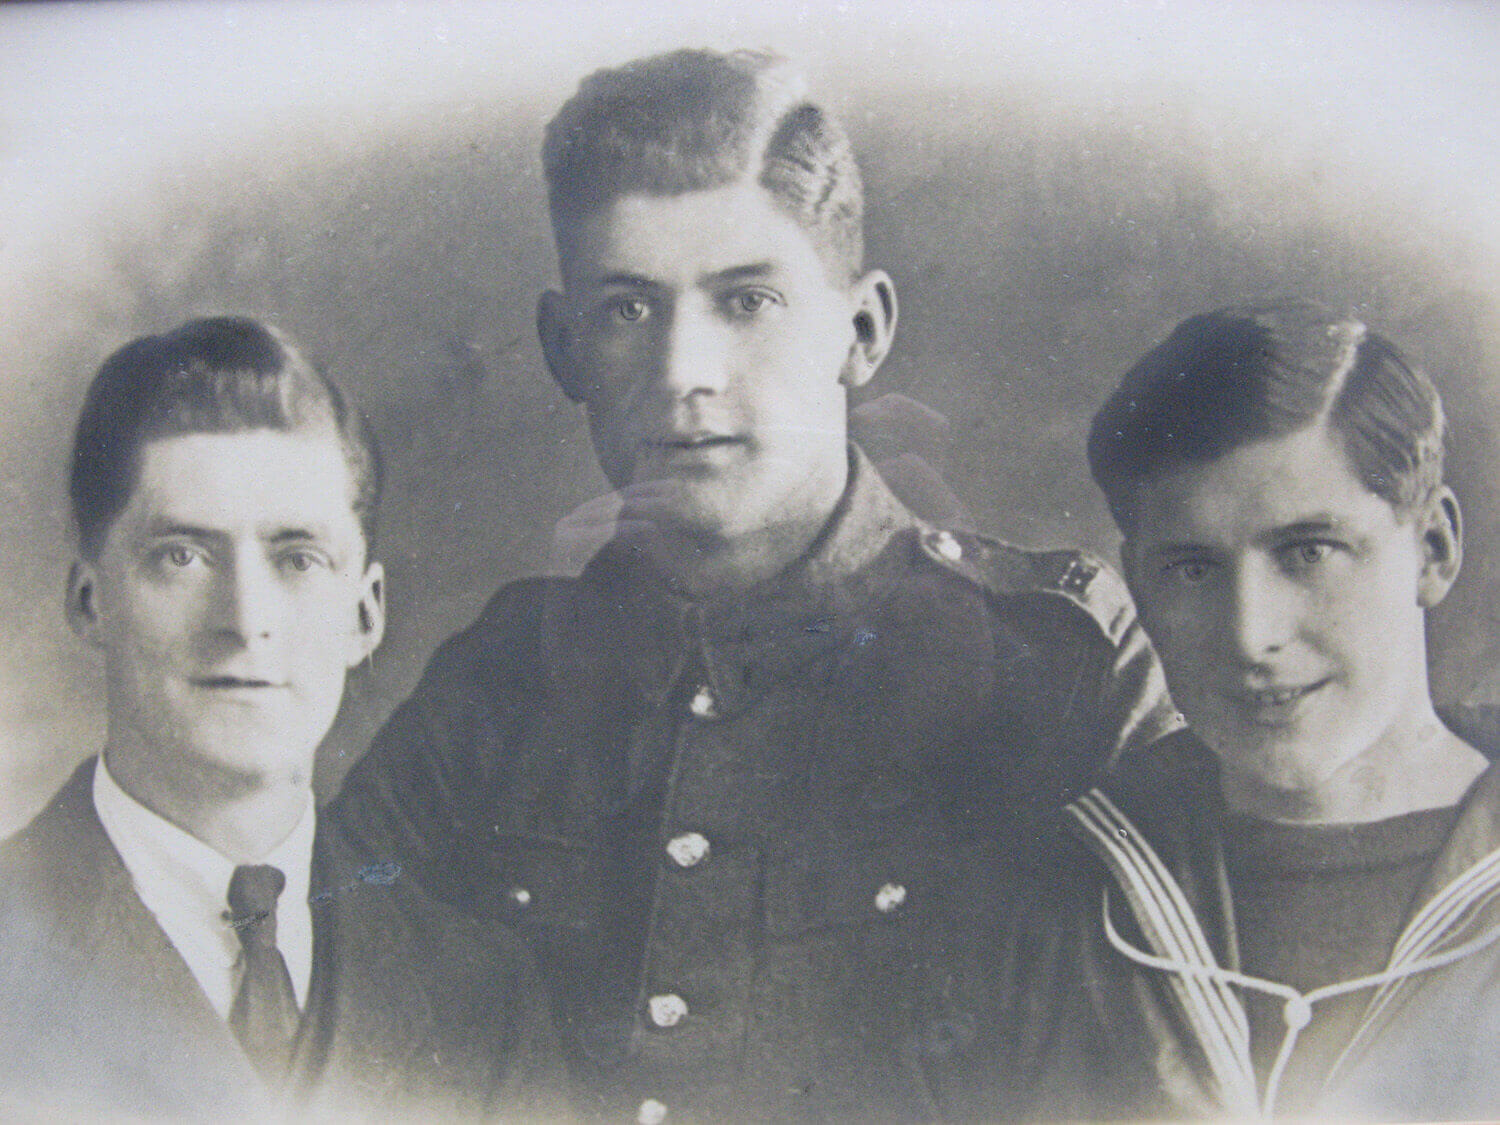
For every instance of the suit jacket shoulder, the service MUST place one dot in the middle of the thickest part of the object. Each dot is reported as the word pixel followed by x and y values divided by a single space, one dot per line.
pixel 97 1009
pixel 410 1007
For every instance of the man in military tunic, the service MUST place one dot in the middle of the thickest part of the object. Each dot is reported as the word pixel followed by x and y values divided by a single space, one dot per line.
pixel 753 780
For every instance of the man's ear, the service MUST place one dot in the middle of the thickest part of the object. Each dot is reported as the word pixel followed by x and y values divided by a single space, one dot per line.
pixel 556 340
pixel 369 626
pixel 874 300
pixel 1442 530
pixel 81 601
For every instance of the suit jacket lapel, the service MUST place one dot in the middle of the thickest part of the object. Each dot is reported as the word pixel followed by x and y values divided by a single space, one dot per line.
pixel 366 1019
pixel 129 976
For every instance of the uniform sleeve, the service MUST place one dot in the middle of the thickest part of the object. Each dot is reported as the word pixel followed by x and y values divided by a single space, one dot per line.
pixel 418 797
pixel 1114 697
pixel 1134 707
pixel 1037 1055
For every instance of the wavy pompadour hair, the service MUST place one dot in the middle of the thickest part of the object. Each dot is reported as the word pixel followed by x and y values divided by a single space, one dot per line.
pixel 1238 375
pixel 225 374
pixel 691 120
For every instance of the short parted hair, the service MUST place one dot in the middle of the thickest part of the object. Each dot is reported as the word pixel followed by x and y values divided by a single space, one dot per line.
pixel 691 120
pixel 1239 375
pixel 216 375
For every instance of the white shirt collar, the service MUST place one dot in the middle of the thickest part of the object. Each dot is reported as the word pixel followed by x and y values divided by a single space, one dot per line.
pixel 185 884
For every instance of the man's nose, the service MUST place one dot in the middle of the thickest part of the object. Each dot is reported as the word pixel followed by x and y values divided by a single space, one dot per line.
pixel 1264 611
pixel 693 353
pixel 247 601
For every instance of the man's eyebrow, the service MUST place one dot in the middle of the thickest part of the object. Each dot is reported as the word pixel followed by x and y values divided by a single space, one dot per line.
pixel 1319 524
pixel 627 280
pixel 164 526
pixel 728 275
pixel 1314 525
pixel 297 534
pixel 746 272
pixel 1184 547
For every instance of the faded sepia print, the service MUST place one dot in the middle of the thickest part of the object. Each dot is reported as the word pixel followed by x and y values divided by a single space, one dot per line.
pixel 923 562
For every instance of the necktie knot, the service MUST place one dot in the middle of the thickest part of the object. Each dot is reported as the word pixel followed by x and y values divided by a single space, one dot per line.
pixel 253 891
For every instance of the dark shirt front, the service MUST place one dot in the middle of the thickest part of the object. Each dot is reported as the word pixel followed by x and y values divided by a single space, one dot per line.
pixel 755 841
pixel 1316 905
pixel 1139 984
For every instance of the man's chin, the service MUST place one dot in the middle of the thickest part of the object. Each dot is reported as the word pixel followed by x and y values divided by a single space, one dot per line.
pixel 1280 766
pixel 265 756
pixel 669 507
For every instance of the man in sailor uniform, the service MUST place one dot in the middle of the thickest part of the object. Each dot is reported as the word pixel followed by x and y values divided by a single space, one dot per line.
pixel 1295 908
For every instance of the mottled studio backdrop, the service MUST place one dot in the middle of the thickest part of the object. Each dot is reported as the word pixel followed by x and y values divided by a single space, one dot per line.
pixel 1052 190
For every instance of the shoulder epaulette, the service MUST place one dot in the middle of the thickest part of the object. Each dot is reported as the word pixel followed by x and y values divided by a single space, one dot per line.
pixel 1009 571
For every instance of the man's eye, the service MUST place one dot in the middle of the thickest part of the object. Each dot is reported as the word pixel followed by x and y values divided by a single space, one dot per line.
pixel 301 561
pixel 1309 554
pixel 179 556
pixel 631 309
pixel 748 302
pixel 1189 571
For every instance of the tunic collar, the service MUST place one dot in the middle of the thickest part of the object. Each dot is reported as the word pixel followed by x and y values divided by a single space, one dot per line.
pixel 777 625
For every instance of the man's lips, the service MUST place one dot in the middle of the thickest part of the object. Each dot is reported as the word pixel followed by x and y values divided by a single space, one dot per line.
pixel 231 683
pixel 1273 696
pixel 697 440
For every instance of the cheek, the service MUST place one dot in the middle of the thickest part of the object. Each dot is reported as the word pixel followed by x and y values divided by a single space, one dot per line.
pixel 1188 672
pixel 1181 627
pixel 797 398
pixel 1190 646
pixel 612 446
pixel 158 628
pixel 1381 645
pixel 320 654
pixel 1374 617
pixel 323 612
pixel 598 350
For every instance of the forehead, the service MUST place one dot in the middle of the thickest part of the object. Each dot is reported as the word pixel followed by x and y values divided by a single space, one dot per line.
pixel 255 480
pixel 1257 490
pixel 685 238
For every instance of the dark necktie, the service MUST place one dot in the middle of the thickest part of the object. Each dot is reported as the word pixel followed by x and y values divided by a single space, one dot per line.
pixel 264 1014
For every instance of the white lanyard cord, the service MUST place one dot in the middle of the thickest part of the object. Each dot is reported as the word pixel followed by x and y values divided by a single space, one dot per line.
pixel 1297 1009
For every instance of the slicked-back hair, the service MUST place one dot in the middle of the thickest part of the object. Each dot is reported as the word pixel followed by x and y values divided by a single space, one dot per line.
pixel 691 120
pixel 1243 374
pixel 215 375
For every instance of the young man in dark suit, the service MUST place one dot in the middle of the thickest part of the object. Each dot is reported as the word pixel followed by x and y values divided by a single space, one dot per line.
pixel 181 934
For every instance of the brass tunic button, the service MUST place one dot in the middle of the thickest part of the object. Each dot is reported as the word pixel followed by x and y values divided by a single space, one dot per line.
pixel 688 849
pixel 703 705
pixel 651 1112
pixel 889 897
pixel 666 1009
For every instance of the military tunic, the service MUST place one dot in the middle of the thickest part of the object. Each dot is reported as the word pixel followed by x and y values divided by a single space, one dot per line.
pixel 753 840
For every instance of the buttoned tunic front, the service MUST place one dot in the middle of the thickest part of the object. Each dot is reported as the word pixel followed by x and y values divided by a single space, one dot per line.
pixel 751 839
